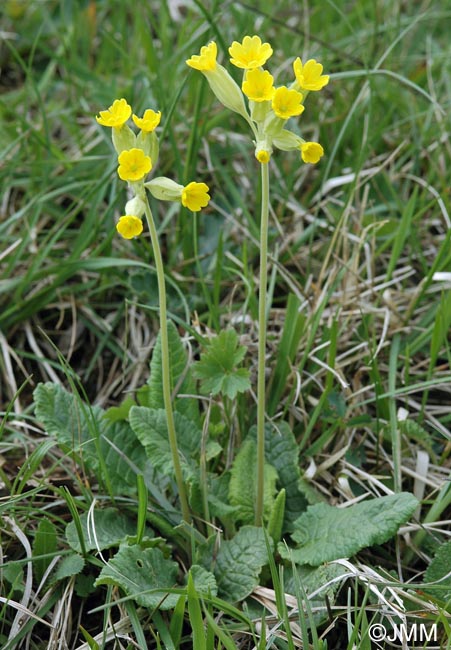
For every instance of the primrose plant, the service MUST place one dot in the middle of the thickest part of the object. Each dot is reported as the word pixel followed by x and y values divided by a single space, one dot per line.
pixel 268 109
pixel 138 449
pixel 137 155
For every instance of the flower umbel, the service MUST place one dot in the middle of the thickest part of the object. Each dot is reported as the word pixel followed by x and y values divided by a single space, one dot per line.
pixel 129 226
pixel 258 85
pixel 195 196
pixel 133 165
pixel 310 75
pixel 311 152
pixel 116 115
pixel 287 103
pixel 206 60
pixel 149 121
pixel 249 54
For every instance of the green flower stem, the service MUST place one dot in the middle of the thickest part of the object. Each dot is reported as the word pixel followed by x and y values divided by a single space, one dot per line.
pixel 262 344
pixel 165 363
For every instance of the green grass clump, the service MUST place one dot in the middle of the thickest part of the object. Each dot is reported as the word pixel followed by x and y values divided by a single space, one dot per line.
pixel 358 355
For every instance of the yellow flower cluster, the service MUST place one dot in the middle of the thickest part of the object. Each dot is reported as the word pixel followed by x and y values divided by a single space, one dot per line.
pixel 269 107
pixel 137 155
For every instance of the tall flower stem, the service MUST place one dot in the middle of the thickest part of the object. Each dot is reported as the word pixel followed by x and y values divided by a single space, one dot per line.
pixel 261 384
pixel 167 398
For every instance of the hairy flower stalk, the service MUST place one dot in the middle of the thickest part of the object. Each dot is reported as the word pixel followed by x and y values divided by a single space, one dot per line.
pixel 269 108
pixel 166 375
pixel 261 385
pixel 137 155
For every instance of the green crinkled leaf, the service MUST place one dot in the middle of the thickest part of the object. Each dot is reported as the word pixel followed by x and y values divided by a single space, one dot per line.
pixel 217 368
pixel 180 373
pixel 119 413
pixel 325 533
pixel 75 427
pixel 218 497
pixel 310 493
pixel 414 430
pixel 239 562
pixel 243 484
pixel 315 579
pixel 150 426
pixel 110 527
pixel 204 581
pixel 139 572
pixel 282 452
pixel 213 449
pixel 438 569
pixel 221 509
pixel 70 565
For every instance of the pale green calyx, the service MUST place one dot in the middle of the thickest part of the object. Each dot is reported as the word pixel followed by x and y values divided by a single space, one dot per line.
pixel 135 207
pixel 123 138
pixel 148 142
pixel 287 140
pixel 226 90
pixel 165 189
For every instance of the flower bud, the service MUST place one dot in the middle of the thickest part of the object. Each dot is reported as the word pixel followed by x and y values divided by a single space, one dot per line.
pixel 135 207
pixel 263 156
pixel 263 150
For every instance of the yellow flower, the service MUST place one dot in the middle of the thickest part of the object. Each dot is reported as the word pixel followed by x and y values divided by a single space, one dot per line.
pixel 195 196
pixel 310 76
pixel 148 122
pixel 220 81
pixel 133 165
pixel 206 60
pixel 263 156
pixel 129 226
pixel 287 103
pixel 251 53
pixel 311 152
pixel 116 115
pixel 258 85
